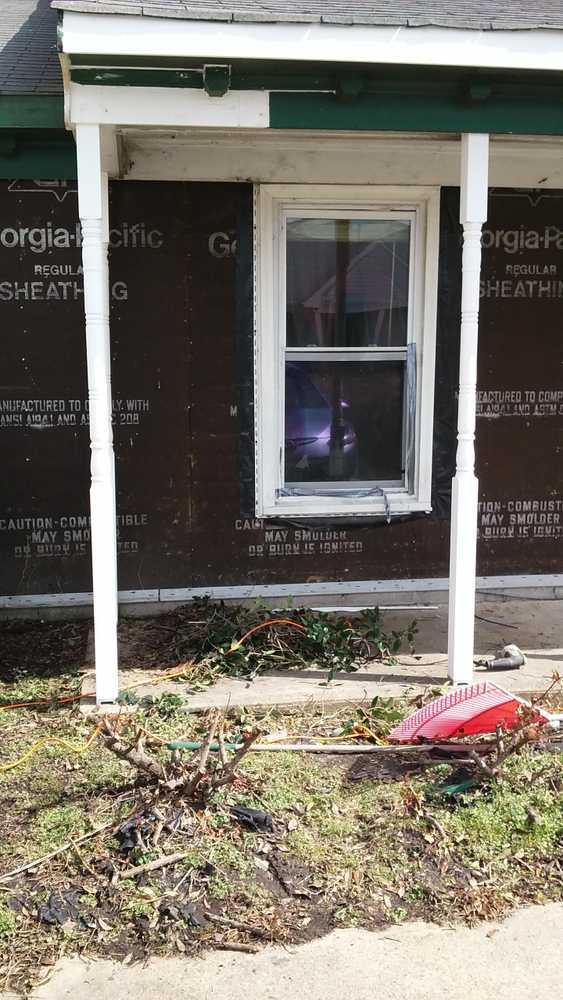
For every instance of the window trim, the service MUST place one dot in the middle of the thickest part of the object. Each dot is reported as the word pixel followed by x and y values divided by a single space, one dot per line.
pixel 272 203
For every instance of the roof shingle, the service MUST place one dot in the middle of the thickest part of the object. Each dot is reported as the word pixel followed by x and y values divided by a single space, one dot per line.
pixel 28 40
pixel 473 14
pixel 29 63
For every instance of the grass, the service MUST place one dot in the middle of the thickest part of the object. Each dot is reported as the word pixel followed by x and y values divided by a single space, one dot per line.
pixel 520 814
pixel 344 853
pixel 55 825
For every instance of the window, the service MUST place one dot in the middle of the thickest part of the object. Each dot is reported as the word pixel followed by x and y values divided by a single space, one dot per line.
pixel 345 341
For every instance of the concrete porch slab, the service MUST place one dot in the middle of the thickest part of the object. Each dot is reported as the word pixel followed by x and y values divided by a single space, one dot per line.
pixel 535 626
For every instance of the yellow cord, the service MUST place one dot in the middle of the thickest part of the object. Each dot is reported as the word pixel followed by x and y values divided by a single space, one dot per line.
pixel 35 747
pixel 358 732
pixel 58 741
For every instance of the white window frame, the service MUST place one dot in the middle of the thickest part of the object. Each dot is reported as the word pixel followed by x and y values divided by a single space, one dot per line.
pixel 273 204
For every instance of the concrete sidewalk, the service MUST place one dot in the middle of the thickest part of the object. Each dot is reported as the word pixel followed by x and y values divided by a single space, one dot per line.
pixel 520 959
pixel 536 626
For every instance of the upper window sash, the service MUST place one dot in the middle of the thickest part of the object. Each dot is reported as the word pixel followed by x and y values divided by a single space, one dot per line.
pixel 296 214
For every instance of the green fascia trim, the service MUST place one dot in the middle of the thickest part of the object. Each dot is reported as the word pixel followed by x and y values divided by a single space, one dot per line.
pixel 192 77
pixel 42 157
pixel 31 111
pixel 92 61
pixel 293 69
pixel 167 72
pixel 419 113
pixel 262 74
pixel 138 77
pixel 256 67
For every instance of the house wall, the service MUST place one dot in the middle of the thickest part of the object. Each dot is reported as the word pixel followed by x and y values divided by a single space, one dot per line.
pixel 182 295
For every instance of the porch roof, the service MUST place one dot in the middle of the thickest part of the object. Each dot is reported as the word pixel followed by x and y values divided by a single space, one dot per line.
pixel 469 14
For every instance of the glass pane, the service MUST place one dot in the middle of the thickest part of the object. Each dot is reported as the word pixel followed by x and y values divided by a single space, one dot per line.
pixel 343 421
pixel 347 282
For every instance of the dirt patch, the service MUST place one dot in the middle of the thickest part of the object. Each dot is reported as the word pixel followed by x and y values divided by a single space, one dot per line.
pixel 41 649
pixel 391 767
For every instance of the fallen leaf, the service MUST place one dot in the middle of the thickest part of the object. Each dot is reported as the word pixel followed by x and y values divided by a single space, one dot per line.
pixel 146 891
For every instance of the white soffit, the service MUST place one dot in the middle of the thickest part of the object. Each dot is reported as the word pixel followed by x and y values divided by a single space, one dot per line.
pixel 121 35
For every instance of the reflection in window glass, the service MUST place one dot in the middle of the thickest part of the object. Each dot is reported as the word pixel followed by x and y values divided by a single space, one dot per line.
pixel 343 421
pixel 347 282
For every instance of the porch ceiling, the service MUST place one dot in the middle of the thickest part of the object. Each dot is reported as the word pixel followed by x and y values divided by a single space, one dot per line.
pixel 300 156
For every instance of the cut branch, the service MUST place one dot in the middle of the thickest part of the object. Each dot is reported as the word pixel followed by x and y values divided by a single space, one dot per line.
pixel 216 918
pixel 202 766
pixel 189 780
pixel 53 854
pixel 226 776
pixel 135 755
pixel 151 866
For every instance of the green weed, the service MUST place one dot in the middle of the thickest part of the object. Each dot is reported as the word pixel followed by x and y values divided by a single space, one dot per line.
pixel 8 922
pixel 56 824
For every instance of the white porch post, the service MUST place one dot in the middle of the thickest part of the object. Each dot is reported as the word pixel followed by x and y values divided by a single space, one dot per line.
pixel 93 211
pixel 463 539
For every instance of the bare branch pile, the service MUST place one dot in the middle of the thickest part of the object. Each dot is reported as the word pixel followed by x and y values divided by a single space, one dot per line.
pixel 169 789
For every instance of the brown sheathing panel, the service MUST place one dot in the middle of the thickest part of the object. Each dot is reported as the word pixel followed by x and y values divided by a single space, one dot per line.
pixel 520 409
pixel 150 359
pixel 182 375
pixel 44 529
pixel 44 439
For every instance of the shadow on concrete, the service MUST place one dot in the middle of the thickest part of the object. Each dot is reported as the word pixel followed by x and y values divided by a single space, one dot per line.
pixel 545 656
pixel 360 677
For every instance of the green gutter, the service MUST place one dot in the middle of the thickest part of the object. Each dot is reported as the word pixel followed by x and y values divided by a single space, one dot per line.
pixel 419 113
pixel 31 111
pixel 101 77
pixel 42 155
pixel 33 140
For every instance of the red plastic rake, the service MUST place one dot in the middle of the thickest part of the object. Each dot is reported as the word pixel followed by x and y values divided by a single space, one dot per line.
pixel 466 711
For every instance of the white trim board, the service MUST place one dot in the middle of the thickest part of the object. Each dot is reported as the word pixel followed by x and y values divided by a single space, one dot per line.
pixel 166 107
pixel 420 585
pixel 550 583
pixel 423 46
pixel 75 600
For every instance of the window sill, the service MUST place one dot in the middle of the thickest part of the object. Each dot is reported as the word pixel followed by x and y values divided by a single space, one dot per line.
pixel 329 507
